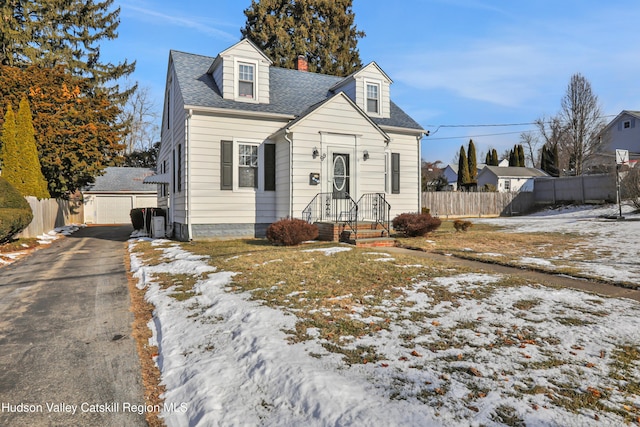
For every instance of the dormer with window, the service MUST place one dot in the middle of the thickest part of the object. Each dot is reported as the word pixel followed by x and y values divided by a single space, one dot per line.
pixel 369 89
pixel 242 73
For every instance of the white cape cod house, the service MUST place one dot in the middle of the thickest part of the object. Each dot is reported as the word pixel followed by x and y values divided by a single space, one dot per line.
pixel 245 143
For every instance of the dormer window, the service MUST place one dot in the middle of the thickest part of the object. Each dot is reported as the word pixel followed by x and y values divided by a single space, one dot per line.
pixel 373 98
pixel 246 80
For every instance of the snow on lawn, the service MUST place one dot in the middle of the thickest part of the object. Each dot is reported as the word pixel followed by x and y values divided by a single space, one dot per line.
pixel 489 353
pixel 43 239
pixel 614 245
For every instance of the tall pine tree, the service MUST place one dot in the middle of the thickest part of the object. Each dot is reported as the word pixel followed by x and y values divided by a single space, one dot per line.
pixel 494 158
pixel 76 126
pixel 32 177
pixel 463 170
pixel 321 30
pixel 473 163
pixel 70 32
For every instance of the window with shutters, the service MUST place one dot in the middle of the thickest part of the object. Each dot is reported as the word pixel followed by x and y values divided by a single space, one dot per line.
pixel 247 166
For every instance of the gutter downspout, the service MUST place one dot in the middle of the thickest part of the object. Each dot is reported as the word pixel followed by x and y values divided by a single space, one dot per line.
pixel 286 137
pixel 187 167
pixel 419 140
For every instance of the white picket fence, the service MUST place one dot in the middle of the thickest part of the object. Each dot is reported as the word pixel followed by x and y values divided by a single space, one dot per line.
pixel 51 213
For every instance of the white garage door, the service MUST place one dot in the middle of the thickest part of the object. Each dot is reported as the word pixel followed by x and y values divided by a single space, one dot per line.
pixel 113 209
pixel 146 201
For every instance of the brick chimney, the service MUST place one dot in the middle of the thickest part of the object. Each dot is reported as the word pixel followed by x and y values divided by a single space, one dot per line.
pixel 302 64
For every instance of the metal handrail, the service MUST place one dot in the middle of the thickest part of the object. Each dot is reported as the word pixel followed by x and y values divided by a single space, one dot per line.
pixel 326 207
pixel 374 207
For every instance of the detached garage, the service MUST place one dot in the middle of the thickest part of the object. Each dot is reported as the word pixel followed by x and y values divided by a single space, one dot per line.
pixel 110 199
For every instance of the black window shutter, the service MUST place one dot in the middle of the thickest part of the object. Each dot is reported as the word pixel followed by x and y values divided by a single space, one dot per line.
pixel 226 166
pixel 269 167
pixel 395 173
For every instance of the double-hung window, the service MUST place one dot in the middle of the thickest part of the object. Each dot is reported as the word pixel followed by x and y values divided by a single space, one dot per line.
pixel 373 98
pixel 247 165
pixel 246 80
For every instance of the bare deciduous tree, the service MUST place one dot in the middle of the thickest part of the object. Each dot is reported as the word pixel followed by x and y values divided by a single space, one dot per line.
pixel 530 142
pixel 140 115
pixel 582 120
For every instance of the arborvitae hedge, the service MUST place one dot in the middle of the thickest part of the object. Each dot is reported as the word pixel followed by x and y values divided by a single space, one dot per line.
pixel 15 212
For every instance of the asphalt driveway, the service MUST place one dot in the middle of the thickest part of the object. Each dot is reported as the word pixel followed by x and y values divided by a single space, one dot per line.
pixel 66 352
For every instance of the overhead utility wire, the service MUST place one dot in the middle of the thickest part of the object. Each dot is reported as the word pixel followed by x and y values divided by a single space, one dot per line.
pixel 438 127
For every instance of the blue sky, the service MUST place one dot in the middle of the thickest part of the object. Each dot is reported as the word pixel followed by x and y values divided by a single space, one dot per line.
pixel 452 62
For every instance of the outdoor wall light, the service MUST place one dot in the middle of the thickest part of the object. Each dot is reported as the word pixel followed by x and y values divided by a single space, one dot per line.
pixel 365 155
pixel 315 152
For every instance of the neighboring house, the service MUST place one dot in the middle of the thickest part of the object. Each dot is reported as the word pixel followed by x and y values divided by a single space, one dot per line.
pixel 112 196
pixel 623 132
pixel 509 179
pixel 245 143
pixel 451 175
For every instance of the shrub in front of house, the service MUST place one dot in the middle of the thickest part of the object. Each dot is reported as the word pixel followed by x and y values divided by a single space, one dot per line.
pixel 141 215
pixel 291 232
pixel 414 224
pixel 15 212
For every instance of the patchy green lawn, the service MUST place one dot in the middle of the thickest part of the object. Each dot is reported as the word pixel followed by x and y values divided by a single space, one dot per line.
pixel 476 347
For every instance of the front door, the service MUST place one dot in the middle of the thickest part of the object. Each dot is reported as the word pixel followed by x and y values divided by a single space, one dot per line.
pixel 340 176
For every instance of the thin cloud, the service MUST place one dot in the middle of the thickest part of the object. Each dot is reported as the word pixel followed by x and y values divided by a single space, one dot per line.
pixel 185 22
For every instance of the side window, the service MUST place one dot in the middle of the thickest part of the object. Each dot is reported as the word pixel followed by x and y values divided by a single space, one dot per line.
pixel 248 165
pixel 179 169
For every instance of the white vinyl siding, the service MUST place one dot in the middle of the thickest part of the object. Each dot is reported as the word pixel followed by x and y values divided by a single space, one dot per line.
pixel 351 133
pixel 210 205
pixel 226 73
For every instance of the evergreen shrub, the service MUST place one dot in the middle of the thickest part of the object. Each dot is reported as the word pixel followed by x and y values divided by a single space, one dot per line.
pixel 15 212
pixel 291 232
pixel 414 225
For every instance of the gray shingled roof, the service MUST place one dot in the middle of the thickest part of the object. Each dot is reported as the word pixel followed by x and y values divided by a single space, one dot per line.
pixel 515 172
pixel 122 180
pixel 291 92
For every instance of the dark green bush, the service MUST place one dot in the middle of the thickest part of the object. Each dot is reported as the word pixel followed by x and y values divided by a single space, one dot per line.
pixel 138 216
pixel 291 232
pixel 15 212
pixel 414 224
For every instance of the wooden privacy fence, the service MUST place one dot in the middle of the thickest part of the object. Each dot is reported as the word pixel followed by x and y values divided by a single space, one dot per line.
pixel 51 213
pixel 448 204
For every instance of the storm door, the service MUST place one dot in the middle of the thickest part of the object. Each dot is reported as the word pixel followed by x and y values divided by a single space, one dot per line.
pixel 341 181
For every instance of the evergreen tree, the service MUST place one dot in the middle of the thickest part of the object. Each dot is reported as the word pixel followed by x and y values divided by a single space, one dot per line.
pixel 54 32
pixel 549 160
pixel 321 30
pixel 76 125
pixel 521 158
pixel 473 163
pixel 494 157
pixel 487 159
pixel 10 154
pixel 513 160
pixel 33 179
pixel 463 169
